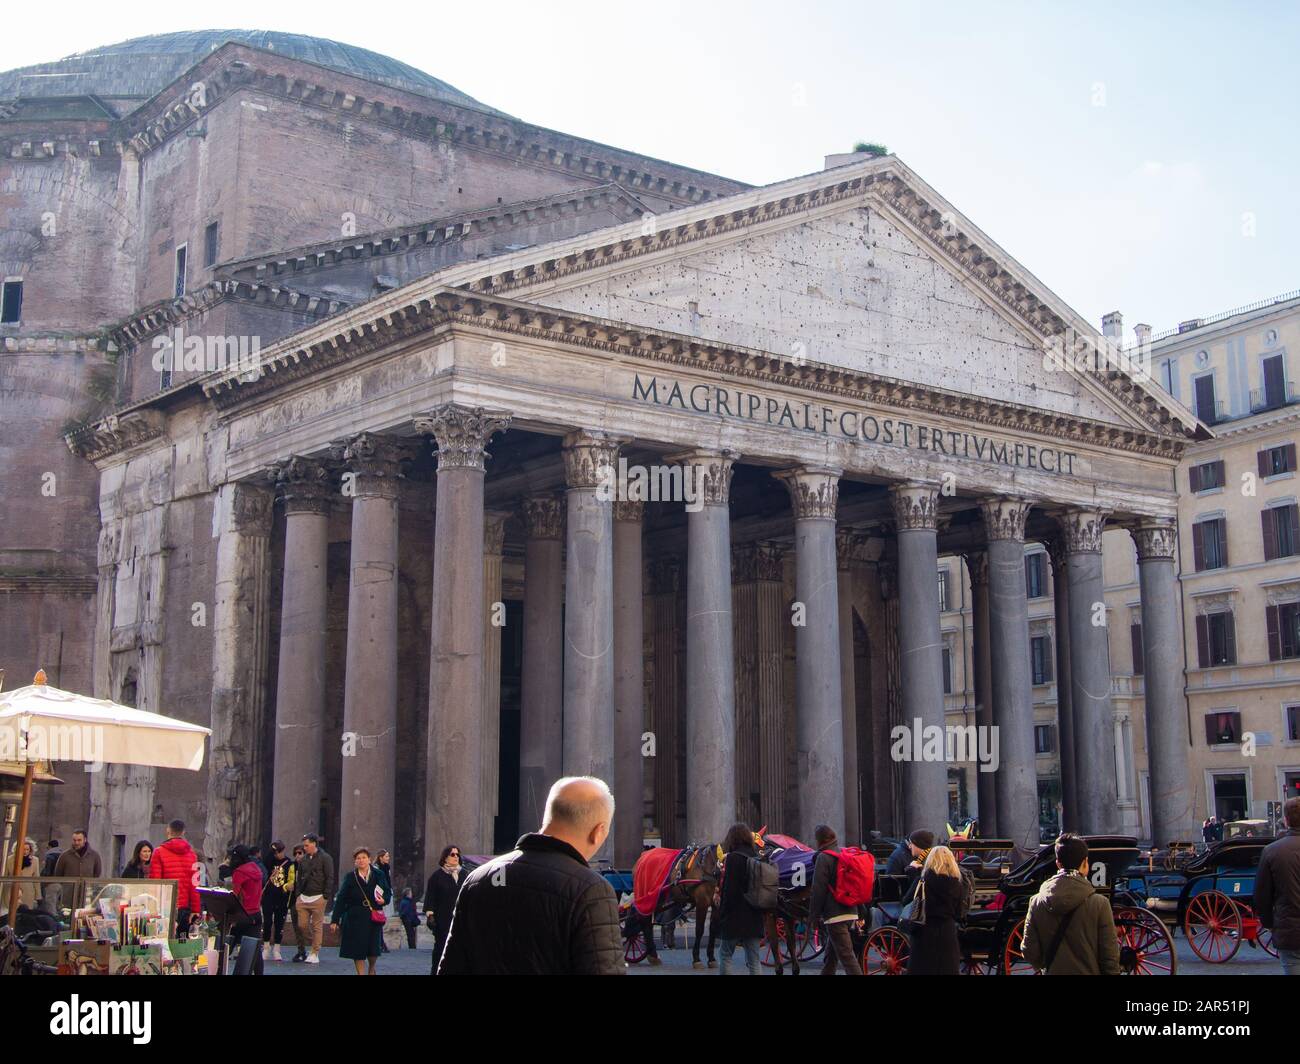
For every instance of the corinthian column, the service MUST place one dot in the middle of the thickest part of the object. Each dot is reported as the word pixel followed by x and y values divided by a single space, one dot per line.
pixel 629 681
pixel 710 662
pixel 370 682
pixel 1013 692
pixel 307 490
pixel 977 563
pixel 541 723
pixel 589 462
pixel 925 783
pixel 665 583
pixel 1166 722
pixel 819 712
pixel 1064 707
pixel 453 804
pixel 846 548
pixel 494 531
pixel 1094 724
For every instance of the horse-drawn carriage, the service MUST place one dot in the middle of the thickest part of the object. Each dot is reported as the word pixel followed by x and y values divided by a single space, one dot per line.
pixel 1210 896
pixel 990 936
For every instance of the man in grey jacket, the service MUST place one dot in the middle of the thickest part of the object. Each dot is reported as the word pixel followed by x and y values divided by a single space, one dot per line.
pixel 1277 889
pixel 1087 944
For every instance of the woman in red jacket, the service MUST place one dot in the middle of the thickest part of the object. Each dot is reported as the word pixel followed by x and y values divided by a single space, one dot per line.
pixel 246 881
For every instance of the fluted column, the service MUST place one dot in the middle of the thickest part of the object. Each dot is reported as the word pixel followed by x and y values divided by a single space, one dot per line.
pixel 629 682
pixel 494 531
pixel 589 461
pixel 977 564
pixel 710 664
pixel 1094 725
pixel 744 616
pixel 1172 817
pixel 925 783
pixel 1064 706
pixel 541 723
pixel 453 813
pixel 846 548
pixel 373 466
pixel 1013 692
pixel 769 655
pixel 665 582
pixel 819 710
pixel 307 489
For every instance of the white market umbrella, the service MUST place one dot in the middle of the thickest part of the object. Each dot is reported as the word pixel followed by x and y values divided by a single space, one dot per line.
pixel 42 723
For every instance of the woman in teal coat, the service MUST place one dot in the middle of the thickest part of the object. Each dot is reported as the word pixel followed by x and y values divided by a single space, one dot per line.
pixel 360 894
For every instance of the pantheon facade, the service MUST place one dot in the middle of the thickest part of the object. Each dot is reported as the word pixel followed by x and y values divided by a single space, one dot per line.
pixel 396 558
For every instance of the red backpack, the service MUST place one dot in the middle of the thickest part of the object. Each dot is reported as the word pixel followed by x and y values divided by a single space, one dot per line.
pixel 855 876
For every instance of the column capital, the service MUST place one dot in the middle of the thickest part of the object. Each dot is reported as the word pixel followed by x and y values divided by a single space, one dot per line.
pixel 709 474
pixel 887 572
pixel 376 461
pixel 461 433
pixel 757 561
pixel 1082 530
pixel 1004 517
pixel 850 547
pixel 589 459
pixel 814 491
pixel 977 564
pixel 1156 537
pixel 665 574
pixel 915 505
pixel 494 531
pixel 305 484
pixel 250 509
pixel 629 510
pixel 543 517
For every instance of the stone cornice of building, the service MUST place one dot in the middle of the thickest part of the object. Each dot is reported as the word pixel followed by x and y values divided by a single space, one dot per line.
pixel 496 219
pixel 55 343
pixel 886 181
pixel 47 582
pixel 1256 424
pixel 117 433
pixel 236 66
pixel 130 332
pixel 287 361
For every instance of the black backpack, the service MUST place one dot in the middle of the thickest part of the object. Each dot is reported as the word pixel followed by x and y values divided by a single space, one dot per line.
pixel 763 882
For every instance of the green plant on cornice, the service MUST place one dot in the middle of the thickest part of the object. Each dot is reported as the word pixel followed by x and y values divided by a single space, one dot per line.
pixel 872 148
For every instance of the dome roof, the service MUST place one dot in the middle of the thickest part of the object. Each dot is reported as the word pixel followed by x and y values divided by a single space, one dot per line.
pixel 142 66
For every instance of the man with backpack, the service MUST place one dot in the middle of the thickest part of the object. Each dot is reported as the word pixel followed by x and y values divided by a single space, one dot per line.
pixel 841 885
pixel 1069 929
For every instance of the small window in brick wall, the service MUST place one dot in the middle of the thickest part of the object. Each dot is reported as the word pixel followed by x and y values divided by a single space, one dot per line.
pixel 211 244
pixel 11 305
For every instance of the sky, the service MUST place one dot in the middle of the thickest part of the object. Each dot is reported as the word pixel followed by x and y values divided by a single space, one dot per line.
pixel 1138 157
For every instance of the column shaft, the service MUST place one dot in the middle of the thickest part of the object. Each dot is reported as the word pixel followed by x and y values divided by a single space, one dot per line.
pixel 846 542
pixel 1064 707
pixel 629 682
pixel 493 617
pixel 770 620
pixel 665 582
pixel 977 563
pixel 541 725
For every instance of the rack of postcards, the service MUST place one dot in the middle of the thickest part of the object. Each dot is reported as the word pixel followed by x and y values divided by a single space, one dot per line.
pixel 107 927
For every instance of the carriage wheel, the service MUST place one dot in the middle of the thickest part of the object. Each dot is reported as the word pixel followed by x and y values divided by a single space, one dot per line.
pixel 1013 959
pixel 886 952
pixel 1145 945
pixel 1265 939
pixel 1213 926
pixel 634 948
pixel 972 966
pixel 774 951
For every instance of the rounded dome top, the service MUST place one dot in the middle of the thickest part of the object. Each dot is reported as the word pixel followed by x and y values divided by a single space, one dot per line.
pixel 142 66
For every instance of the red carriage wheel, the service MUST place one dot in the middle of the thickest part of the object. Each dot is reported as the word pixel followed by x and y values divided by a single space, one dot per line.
pixel 634 948
pixel 886 952
pixel 774 952
pixel 971 966
pixel 1144 943
pixel 810 945
pixel 1265 938
pixel 1213 926
pixel 1013 960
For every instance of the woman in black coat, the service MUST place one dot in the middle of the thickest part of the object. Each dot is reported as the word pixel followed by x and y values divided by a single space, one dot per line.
pixel 935 950
pixel 440 899
pixel 739 923
pixel 361 893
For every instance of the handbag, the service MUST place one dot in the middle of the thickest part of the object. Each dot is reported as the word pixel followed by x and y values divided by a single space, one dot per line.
pixel 377 916
pixel 914 912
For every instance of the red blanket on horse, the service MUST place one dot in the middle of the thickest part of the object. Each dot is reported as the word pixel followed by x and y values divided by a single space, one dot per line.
pixel 650 876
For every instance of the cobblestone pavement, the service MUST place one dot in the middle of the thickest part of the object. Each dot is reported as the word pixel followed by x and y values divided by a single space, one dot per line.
pixel 1248 961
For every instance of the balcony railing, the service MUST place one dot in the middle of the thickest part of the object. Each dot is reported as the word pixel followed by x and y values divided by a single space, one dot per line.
pixel 1262 399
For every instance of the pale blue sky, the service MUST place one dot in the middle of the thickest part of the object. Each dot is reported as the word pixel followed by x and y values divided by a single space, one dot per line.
pixel 1124 153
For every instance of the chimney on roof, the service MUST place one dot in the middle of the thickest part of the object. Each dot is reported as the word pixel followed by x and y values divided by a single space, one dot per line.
pixel 1112 326
pixel 1143 333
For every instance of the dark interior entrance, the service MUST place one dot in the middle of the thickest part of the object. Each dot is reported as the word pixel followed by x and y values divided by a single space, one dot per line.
pixel 507 827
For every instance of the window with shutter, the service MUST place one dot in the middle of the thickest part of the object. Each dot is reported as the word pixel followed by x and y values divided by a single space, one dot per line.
pixel 1135 638
pixel 1273 623
pixel 1198 546
pixel 1269 527
pixel 1286 531
pixel 1288 624
pixel 1203 641
pixel 1194 478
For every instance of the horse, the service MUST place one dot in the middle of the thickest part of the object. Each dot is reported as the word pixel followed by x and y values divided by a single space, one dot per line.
pixel 779 926
pixel 693 881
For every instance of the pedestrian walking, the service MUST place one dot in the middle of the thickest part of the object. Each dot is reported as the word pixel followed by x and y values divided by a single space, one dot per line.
pixel 299 938
pixel 824 908
pixel 540 910
pixel 315 881
pixel 52 854
pixel 29 867
pixel 175 859
pixel 80 862
pixel 409 917
pixel 138 866
pixel 384 867
pixel 1069 929
pixel 1277 889
pixel 276 892
pixel 934 947
pixel 440 900
pixel 358 913
pixel 739 922
pixel 246 881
